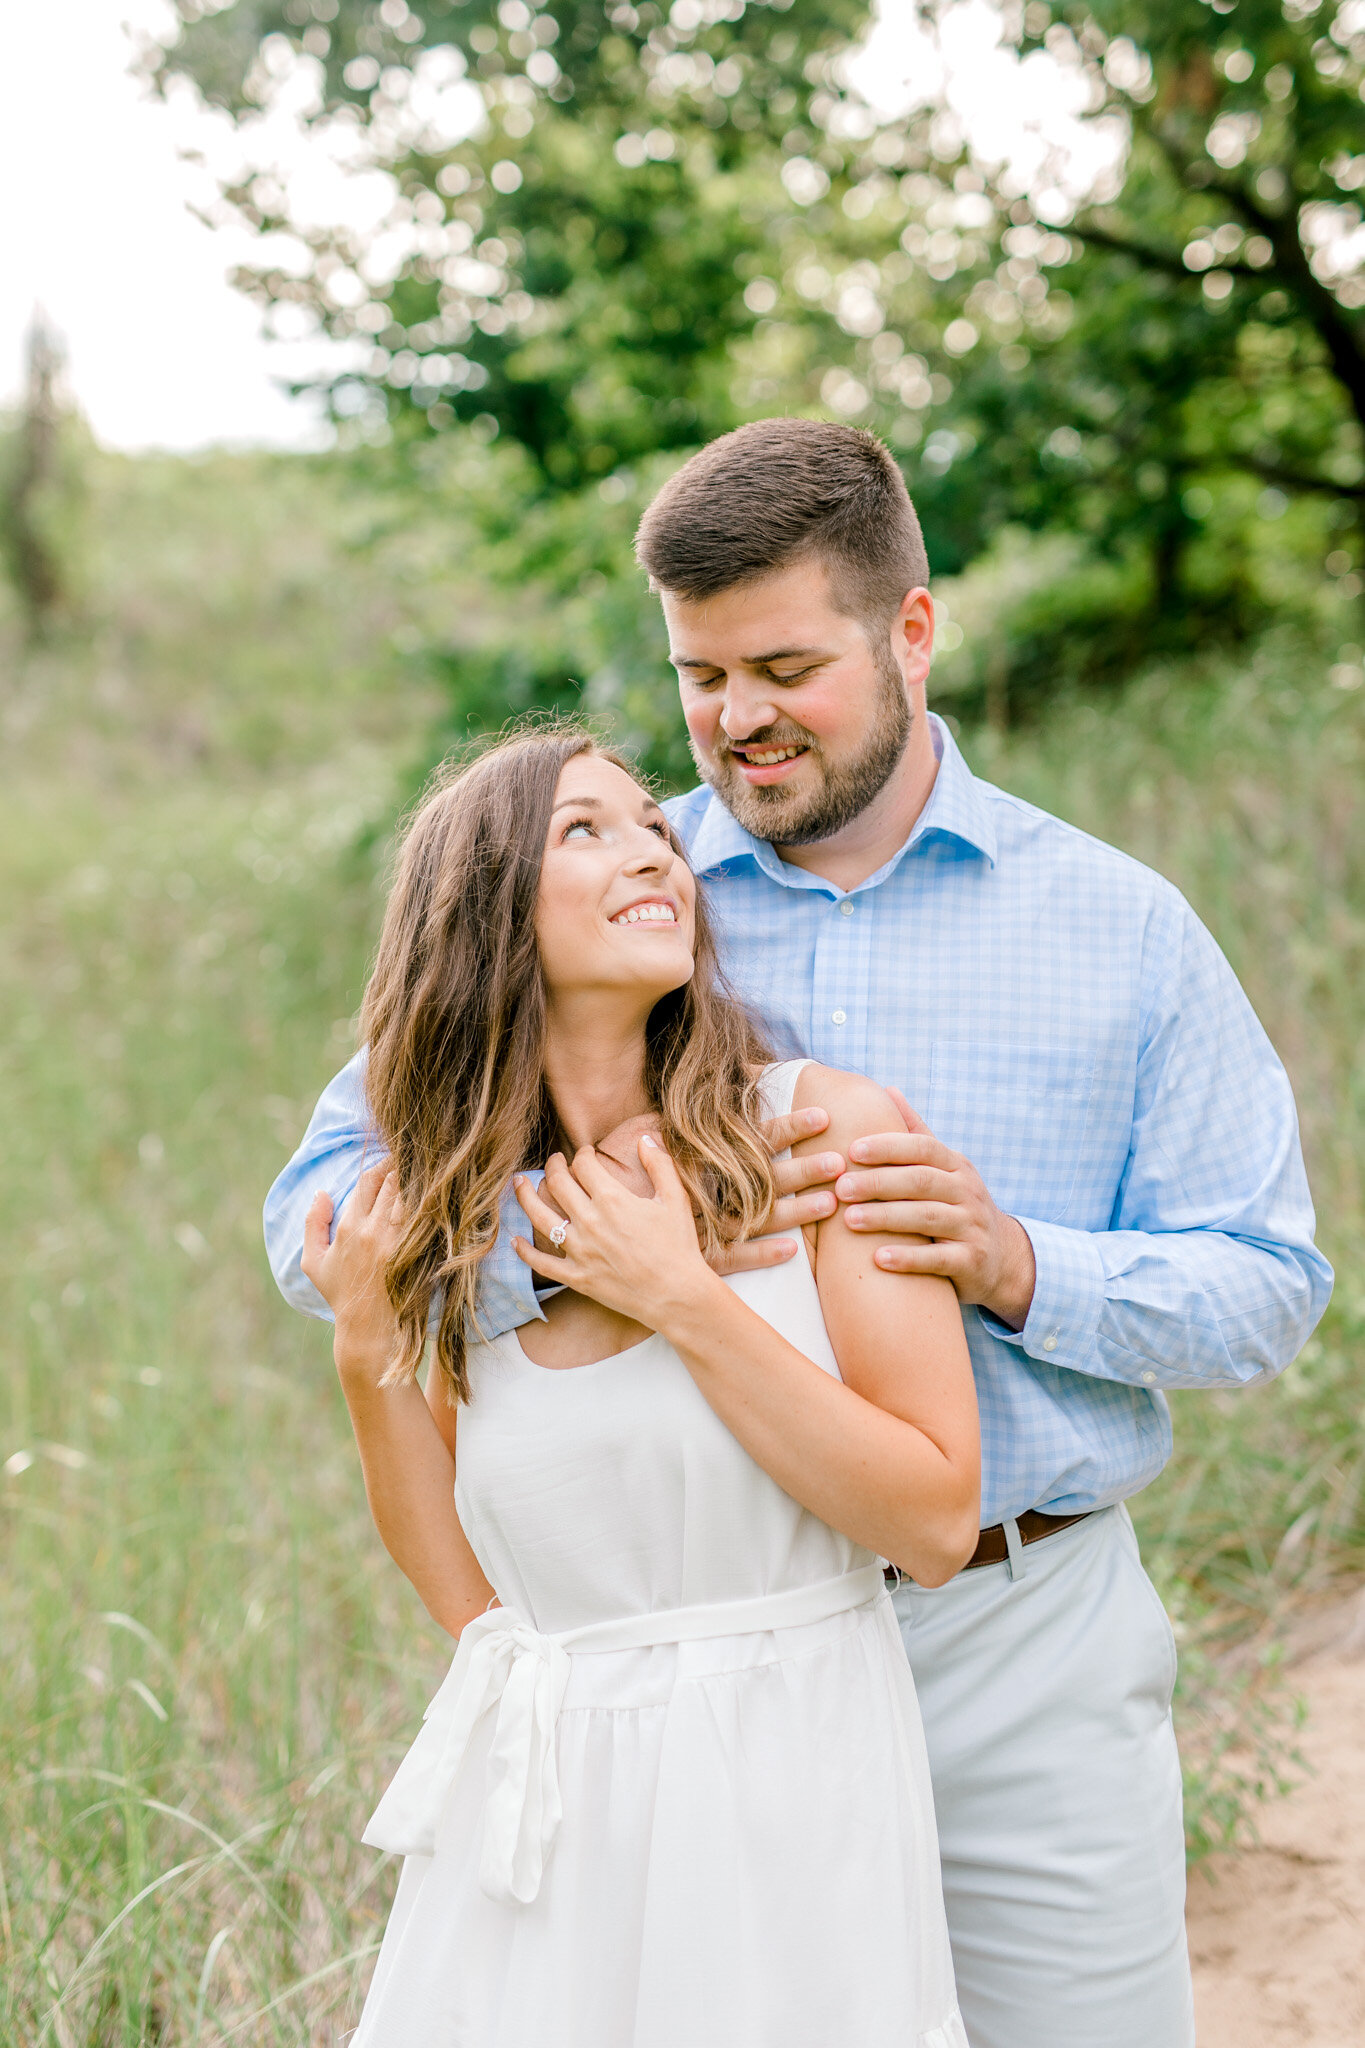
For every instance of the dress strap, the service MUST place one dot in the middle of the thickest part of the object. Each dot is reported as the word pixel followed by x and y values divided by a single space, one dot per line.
pixel 778 1085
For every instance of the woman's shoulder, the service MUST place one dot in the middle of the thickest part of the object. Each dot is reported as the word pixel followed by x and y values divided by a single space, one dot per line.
pixel 856 1107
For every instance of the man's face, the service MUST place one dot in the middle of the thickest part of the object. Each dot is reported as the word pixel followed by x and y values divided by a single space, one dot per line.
pixel 797 714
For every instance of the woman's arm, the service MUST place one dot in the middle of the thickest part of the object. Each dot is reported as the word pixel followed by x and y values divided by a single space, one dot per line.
pixel 891 1455
pixel 407 1448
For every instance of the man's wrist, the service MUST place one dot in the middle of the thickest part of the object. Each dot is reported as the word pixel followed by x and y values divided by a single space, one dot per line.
pixel 1012 1298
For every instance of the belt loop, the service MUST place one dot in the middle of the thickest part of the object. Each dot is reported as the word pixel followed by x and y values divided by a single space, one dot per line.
pixel 1014 1547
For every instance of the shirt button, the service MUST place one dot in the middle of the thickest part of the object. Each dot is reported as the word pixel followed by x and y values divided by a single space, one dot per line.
pixel 839 1017
pixel 846 908
pixel 1149 1379
pixel 1050 1341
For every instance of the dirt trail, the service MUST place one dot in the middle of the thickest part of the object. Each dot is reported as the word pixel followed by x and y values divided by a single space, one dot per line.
pixel 1277 1934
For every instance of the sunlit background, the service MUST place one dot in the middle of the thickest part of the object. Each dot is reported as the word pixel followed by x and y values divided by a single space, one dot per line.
pixel 1095 270
pixel 114 247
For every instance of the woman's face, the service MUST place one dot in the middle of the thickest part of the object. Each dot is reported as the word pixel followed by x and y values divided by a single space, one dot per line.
pixel 617 906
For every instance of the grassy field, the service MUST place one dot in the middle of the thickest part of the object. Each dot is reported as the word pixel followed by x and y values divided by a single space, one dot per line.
pixel 209 1663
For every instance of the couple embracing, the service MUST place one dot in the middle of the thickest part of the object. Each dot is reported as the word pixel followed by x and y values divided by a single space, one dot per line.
pixel 707 1772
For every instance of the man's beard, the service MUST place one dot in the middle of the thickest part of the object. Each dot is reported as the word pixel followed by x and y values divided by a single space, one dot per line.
pixel 788 817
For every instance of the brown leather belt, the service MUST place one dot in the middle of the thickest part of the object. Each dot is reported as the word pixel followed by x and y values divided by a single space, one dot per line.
pixel 1033 1527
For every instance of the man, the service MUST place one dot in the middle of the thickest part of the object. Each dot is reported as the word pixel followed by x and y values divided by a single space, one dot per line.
pixel 1107 1168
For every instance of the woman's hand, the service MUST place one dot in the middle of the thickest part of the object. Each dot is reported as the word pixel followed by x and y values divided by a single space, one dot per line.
pixel 349 1271
pixel 636 1255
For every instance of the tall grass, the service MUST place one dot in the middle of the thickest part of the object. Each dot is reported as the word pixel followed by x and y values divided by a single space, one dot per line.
pixel 207 1662
pixel 209 1665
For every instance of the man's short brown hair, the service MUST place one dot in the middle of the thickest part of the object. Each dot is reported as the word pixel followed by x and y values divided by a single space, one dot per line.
pixel 772 493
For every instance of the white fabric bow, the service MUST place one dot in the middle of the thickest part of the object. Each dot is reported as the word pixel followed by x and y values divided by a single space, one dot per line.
pixel 502 1663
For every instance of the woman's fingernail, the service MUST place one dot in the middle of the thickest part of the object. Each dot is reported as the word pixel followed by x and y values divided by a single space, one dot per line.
pixel 652 1143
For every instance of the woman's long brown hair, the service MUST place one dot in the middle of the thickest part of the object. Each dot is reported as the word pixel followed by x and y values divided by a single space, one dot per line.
pixel 454 1017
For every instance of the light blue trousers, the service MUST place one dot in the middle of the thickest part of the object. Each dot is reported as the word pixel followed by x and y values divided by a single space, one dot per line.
pixel 1046 1696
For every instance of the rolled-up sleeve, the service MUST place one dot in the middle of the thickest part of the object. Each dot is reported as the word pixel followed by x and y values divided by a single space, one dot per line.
pixel 340 1142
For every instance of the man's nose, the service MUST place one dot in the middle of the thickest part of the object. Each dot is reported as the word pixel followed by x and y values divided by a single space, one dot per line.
pixel 745 712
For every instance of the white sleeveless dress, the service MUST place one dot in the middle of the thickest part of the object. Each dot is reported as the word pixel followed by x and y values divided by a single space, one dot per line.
pixel 673 1792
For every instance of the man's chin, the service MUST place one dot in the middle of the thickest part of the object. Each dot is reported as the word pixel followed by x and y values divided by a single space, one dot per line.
pixel 778 813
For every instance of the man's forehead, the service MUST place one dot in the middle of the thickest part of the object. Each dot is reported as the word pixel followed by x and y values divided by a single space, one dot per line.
pixel 800 587
pixel 756 623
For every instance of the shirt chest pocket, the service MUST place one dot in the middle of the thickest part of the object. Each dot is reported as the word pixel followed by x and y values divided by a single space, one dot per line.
pixel 1019 1112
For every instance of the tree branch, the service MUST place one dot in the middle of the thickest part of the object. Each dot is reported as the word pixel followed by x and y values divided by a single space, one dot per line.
pixel 1153 259
pixel 1296 479
pixel 1341 336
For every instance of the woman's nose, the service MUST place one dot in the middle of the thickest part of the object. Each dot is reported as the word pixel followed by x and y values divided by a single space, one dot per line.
pixel 651 856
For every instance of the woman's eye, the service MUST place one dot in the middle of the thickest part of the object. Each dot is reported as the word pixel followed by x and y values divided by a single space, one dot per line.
pixel 663 833
pixel 578 825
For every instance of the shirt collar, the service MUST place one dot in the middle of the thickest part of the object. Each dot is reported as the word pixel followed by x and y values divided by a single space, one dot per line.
pixel 956 810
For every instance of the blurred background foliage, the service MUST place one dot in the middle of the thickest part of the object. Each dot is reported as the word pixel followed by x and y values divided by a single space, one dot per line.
pixel 662 221
pixel 1131 418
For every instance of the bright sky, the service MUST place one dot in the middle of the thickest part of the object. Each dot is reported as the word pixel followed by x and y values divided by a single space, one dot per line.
pixel 163 352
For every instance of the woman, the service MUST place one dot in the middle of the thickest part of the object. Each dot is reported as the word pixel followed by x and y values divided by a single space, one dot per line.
pixel 673 1792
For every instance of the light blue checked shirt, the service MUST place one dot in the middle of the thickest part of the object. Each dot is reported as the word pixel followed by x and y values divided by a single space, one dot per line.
pixel 1058 1014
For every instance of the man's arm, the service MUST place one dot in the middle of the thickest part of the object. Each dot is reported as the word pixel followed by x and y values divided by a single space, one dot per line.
pixel 1208 1275
pixel 340 1142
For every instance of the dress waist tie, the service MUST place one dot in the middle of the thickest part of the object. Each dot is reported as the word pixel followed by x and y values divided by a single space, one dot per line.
pixel 506 1667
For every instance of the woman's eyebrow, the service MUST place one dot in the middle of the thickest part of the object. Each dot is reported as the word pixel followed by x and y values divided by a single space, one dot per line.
pixel 594 803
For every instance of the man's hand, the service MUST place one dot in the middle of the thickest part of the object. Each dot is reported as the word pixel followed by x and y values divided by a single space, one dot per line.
pixel 907 1182
pixel 804 1193
pixel 805 1190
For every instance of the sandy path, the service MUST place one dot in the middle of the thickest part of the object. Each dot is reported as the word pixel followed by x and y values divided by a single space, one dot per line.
pixel 1277 1934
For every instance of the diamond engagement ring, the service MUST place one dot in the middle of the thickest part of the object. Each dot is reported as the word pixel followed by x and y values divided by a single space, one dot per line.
pixel 558 1235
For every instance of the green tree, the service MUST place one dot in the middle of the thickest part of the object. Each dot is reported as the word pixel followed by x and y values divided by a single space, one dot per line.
pixel 579 272
pixel 588 279
pixel 658 223
pixel 39 489
pixel 1191 334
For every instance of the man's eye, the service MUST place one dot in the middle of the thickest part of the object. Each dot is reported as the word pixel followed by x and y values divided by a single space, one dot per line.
pixel 797 675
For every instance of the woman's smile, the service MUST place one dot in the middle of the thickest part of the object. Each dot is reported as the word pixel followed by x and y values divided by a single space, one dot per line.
pixel 649 910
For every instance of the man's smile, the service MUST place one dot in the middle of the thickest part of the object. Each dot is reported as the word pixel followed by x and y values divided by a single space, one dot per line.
pixel 760 765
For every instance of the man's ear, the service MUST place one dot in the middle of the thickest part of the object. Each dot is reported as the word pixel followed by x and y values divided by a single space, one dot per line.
pixel 913 629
